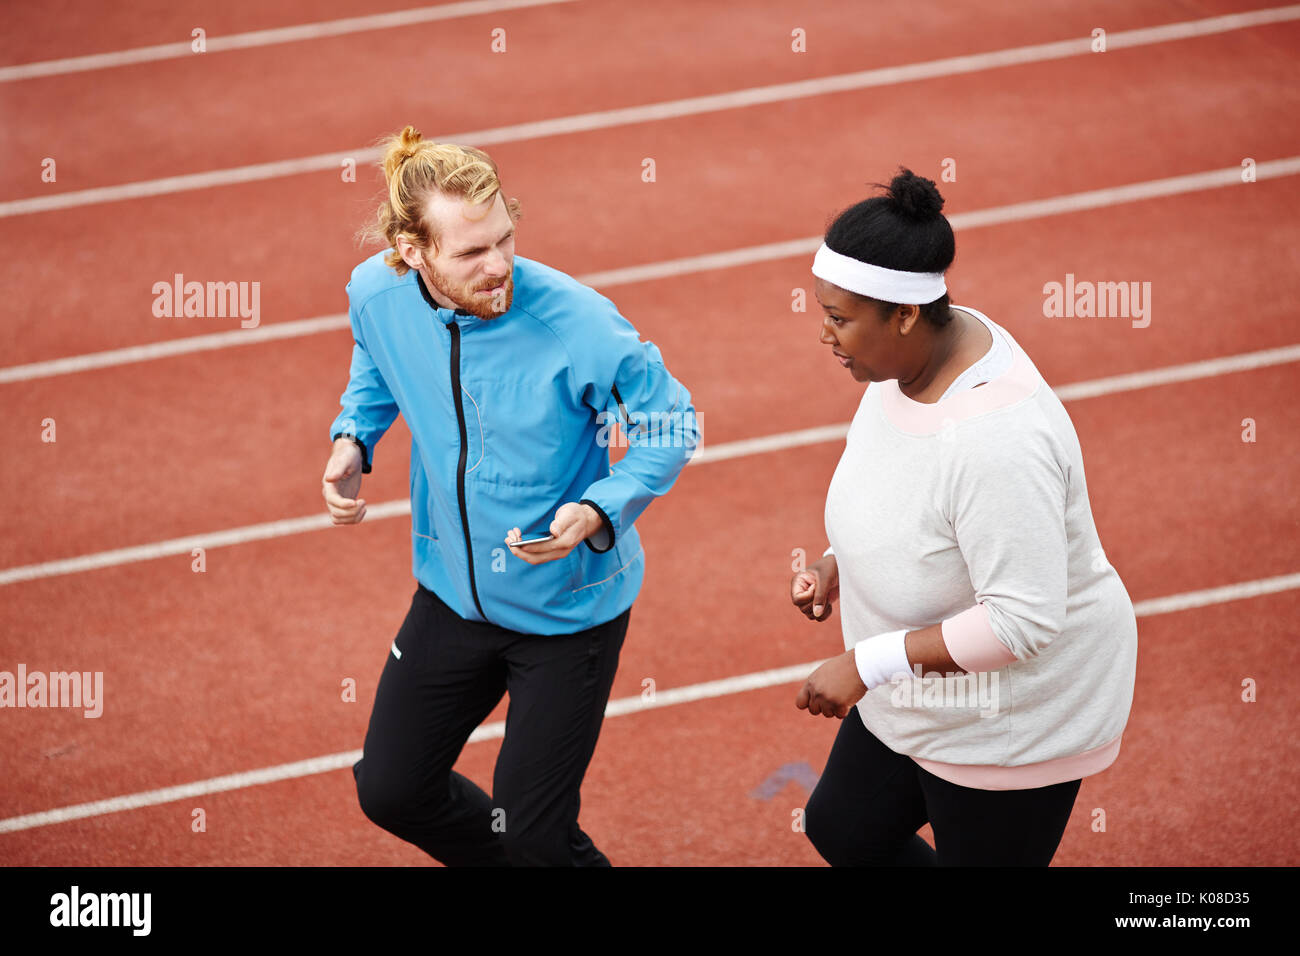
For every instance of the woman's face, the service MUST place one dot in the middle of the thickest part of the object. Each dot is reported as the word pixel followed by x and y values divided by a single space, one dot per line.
pixel 854 329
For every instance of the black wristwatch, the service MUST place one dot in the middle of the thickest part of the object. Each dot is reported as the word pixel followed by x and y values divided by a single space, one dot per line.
pixel 365 456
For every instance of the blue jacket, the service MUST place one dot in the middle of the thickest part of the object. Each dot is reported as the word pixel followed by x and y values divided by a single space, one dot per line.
pixel 510 418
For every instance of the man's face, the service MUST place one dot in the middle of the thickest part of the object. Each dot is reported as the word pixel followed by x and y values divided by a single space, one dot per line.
pixel 474 265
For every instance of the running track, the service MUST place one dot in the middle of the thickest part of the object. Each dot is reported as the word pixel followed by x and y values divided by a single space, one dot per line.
pixel 210 677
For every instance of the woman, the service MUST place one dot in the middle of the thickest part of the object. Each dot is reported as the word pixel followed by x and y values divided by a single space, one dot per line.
pixel 991 648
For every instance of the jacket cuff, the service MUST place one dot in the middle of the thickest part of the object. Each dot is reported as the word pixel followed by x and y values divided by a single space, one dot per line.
pixel 365 455
pixel 605 534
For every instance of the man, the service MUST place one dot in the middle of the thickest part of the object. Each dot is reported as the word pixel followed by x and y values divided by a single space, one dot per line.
pixel 508 374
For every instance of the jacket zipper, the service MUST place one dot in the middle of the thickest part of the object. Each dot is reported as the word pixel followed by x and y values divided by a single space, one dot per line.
pixel 464 450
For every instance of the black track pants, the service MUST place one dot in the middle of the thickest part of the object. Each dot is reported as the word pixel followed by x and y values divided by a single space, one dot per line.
pixel 449 677
pixel 870 801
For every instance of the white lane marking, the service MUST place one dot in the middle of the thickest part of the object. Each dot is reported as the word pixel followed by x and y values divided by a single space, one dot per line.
pixel 1230 592
pixel 994 216
pixel 670 109
pixel 157 350
pixel 670 268
pixel 174 546
pixel 256 38
pixel 1207 368
pixel 710 453
pixel 616 708
pixel 766 443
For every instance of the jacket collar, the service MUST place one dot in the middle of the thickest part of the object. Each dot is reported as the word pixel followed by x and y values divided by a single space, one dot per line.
pixel 445 316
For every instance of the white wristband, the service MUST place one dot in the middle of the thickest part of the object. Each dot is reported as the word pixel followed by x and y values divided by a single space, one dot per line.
pixel 879 658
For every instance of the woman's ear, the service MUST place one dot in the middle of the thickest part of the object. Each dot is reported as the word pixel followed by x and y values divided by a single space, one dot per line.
pixel 908 316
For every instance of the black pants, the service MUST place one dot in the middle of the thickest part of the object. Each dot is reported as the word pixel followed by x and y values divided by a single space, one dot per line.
pixel 449 677
pixel 870 801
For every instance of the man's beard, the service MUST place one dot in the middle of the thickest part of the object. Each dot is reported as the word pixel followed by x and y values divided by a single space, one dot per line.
pixel 467 298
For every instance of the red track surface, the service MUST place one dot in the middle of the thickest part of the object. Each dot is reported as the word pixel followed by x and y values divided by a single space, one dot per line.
pixel 240 667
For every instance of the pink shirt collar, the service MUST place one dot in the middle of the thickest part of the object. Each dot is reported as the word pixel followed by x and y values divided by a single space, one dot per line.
pixel 929 418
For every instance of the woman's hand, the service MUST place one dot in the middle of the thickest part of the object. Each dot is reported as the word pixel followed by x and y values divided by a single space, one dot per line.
pixel 813 589
pixel 832 689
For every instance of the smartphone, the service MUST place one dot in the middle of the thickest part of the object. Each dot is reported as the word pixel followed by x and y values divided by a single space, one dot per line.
pixel 546 537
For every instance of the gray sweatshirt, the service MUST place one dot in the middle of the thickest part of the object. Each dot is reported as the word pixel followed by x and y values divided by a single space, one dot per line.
pixel 973 512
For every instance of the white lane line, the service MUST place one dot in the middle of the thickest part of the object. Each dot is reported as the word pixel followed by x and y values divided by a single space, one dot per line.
pixel 340 761
pixel 669 109
pixel 149 798
pixel 1067 393
pixel 670 268
pixel 960 222
pixel 765 443
pixel 616 708
pixel 1179 373
pixel 1230 592
pixel 157 350
pixel 174 546
pixel 256 38
pixel 707 453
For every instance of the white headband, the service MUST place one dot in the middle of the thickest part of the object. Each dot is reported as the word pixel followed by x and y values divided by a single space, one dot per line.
pixel 877 282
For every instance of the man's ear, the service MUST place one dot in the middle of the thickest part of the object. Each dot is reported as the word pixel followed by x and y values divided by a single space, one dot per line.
pixel 410 253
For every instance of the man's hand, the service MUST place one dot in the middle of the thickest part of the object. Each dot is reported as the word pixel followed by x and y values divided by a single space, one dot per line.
pixel 342 481
pixel 832 689
pixel 573 524
pixel 813 589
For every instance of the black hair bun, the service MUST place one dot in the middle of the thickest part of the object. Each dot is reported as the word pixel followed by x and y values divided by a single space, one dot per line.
pixel 914 196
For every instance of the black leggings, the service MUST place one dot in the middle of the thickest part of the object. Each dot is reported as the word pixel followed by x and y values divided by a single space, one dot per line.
pixel 449 677
pixel 870 801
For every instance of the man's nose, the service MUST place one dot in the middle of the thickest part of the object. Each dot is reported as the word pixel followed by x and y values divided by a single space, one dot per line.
pixel 496 264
